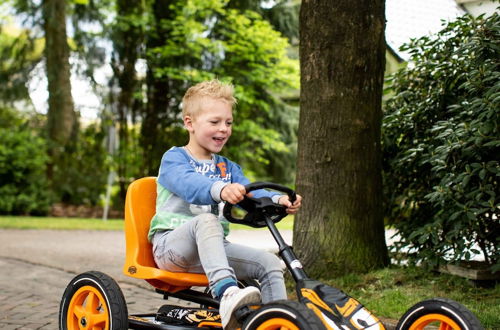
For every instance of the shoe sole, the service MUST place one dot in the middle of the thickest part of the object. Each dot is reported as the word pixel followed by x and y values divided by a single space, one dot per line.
pixel 253 298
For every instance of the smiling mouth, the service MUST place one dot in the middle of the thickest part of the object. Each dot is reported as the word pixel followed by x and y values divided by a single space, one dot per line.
pixel 219 139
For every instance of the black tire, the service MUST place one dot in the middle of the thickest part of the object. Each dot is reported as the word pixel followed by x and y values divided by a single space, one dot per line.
pixel 439 311
pixel 283 315
pixel 95 289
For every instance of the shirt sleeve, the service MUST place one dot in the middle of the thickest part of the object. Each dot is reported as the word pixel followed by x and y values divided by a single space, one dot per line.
pixel 179 177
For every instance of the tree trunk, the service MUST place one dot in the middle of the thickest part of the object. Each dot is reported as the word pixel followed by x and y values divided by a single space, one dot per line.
pixel 157 90
pixel 128 40
pixel 342 53
pixel 61 117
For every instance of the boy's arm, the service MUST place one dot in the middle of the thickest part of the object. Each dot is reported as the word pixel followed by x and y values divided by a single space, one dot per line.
pixel 180 178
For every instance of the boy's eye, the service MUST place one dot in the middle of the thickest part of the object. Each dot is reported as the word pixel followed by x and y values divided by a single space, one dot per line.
pixel 229 123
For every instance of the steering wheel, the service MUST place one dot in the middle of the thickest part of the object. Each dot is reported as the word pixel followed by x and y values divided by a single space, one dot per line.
pixel 259 208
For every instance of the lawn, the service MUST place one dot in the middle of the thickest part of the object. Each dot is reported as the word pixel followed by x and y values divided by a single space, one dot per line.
pixel 19 222
pixel 391 291
pixel 388 292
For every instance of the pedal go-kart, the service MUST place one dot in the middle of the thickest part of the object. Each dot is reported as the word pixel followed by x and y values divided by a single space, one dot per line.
pixel 93 300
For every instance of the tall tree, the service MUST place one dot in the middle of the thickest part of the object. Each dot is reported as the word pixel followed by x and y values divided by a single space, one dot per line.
pixel 158 86
pixel 128 37
pixel 342 50
pixel 282 14
pixel 61 117
pixel 194 40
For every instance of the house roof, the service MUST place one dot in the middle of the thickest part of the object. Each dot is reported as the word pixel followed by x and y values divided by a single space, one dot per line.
pixel 407 19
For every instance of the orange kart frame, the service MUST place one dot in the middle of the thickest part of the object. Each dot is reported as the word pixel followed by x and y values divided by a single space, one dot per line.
pixel 93 300
pixel 139 263
pixel 140 207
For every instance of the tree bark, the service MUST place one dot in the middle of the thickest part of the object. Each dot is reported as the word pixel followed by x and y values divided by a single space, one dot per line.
pixel 342 53
pixel 61 116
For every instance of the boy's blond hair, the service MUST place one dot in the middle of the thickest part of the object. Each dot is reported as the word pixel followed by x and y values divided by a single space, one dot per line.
pixel 215 89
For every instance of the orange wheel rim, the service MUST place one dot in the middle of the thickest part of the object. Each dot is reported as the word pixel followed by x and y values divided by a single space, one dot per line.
pixel 442 321
pixel 88 310
pixel 277 324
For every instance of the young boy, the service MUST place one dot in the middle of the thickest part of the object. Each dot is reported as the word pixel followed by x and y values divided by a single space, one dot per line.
pixel 188 230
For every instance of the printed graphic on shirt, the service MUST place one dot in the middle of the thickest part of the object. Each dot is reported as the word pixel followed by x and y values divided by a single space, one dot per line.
pixel 222 169
pixel 206 168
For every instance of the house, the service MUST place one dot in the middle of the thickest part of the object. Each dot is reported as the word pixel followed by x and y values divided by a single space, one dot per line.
pixel 410 19
pixel 479 7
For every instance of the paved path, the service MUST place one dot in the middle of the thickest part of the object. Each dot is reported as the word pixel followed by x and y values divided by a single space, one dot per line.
pixel 36 266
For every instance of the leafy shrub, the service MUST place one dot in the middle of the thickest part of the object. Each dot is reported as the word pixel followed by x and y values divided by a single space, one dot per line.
pixel 441 144
pixel 81 172
pixel 23 184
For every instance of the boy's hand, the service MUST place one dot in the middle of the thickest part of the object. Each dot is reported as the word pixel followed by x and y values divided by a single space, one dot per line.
pixel 291 208
pixel 233 193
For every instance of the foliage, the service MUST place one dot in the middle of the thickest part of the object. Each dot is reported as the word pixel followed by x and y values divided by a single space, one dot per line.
pixel 18 56
pixel 241 47
pixel 80 177
pixel 59 223
pixel 283 15
pixel 441 142
pixel 160 48
pixel 264 137
pixel 23 158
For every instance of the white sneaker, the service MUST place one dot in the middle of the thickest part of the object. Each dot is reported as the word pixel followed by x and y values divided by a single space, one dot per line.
pixel 232 299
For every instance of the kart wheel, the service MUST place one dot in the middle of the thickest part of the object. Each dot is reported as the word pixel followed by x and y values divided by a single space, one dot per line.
pixel 284 315
pixel 438 313
pixel 93 300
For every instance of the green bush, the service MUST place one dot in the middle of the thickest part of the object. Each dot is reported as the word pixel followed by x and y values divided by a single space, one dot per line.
pixel 441 145
pixel 23 184
pixel 81 172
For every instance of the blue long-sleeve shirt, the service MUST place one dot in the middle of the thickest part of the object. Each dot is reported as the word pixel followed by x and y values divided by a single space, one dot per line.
pixel 187 187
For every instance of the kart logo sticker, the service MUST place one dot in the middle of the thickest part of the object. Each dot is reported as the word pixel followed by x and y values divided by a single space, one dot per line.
pixel 200 316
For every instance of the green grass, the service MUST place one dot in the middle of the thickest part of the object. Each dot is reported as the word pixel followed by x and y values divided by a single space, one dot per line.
pixel 391 291
pixel 19 222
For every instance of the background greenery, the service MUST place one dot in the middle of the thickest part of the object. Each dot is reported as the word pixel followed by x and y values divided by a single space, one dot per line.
pixel 440 131
pixel 156 50
pixel 441 141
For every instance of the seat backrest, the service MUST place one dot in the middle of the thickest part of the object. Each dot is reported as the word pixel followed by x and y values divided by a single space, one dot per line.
pixel 140 207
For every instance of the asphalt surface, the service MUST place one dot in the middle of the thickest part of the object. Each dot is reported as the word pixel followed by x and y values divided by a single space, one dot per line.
pixel 37 265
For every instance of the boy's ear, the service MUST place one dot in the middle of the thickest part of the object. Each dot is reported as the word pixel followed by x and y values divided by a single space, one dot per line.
pixel 188 123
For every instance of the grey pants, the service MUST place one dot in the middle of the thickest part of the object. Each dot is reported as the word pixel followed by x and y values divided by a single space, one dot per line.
pixel 199 246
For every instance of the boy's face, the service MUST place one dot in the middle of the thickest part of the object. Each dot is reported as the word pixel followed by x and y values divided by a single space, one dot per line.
pixel 210 128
